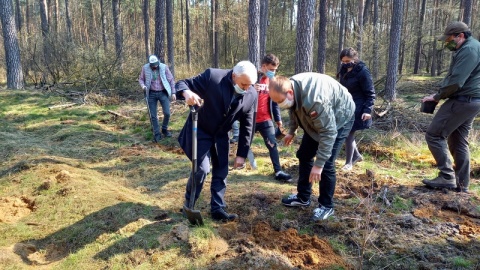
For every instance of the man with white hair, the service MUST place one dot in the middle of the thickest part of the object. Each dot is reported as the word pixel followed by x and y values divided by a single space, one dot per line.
pixel 224 96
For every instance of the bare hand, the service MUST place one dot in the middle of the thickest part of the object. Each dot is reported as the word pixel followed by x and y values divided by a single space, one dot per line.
pixel 429 98
pixel 366 116
pixel 315 174
pixel 288 139
pixel 279 124
pixel 173 97
pixel 191 98
pixel 239 162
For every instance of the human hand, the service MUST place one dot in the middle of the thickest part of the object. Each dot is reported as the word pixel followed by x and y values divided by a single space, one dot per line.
pixel 144 88
pixel 366 116
pixel 279 124
pixel 191 98
pixel 315 174
pixel 288 139
pixel 173 97
pixel 429 98
pixel 239 162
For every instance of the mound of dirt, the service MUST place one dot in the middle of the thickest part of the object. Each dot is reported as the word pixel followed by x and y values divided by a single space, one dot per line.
pixel 303 251
pixel 12 209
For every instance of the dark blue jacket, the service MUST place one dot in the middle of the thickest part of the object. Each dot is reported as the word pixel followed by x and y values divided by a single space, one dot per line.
pixel 360 85
pixel 220 109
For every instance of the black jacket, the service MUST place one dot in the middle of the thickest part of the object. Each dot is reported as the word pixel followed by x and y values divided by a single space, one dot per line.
pixel 220 109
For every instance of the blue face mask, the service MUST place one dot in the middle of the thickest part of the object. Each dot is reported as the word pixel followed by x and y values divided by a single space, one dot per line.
pixel 239 90
pixel 270 74
pixel 348 65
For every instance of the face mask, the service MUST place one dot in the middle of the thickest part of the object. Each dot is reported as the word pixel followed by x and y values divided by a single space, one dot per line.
pixel 270 74
pixel 451 45
pixel 348 65
pixel 286 104
pixel 239 90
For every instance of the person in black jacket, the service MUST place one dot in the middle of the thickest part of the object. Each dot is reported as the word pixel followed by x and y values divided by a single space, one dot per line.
pixel 227 95
pixel 355 76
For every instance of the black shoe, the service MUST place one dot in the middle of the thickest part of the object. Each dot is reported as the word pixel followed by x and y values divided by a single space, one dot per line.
pixel 222 215
pixel 293 200
pixel 282 176
pixel 166 133
pixel 157 138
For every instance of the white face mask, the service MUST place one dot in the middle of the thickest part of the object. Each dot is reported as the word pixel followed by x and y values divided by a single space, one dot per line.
pixel 239 90
pixel 286 104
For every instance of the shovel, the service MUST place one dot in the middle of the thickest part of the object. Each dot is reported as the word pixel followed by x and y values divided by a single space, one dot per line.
pixel 147 92
pixel 193 216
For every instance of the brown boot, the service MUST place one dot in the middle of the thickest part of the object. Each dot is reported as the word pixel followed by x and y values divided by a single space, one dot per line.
pixel 440 182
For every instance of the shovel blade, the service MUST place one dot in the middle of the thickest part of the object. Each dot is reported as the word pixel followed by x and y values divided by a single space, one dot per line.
pixel 194 216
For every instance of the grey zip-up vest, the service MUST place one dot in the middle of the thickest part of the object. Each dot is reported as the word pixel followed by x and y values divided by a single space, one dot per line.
pixel 163 77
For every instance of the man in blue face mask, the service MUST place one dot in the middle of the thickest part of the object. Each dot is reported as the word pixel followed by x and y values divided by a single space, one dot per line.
pixel 448 132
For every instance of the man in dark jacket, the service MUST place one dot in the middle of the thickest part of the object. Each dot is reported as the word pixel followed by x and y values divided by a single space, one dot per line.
pixel 227 95
pixel 451 125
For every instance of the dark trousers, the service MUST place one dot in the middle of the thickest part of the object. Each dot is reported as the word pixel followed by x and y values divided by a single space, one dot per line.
pixel 328 179
pixel 267 131
pixel 153 98
pixel 448 132
pixel 215 155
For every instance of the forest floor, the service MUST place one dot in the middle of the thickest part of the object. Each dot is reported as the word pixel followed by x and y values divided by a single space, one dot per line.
pixel 82 187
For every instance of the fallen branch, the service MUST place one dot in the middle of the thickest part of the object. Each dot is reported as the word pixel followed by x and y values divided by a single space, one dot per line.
pixel 62 106
pixel 118 114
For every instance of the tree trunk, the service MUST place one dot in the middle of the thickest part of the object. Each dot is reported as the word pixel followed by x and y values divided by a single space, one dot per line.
pixel 146 24
pixel 18 16
pixel 170 48
pixel 404 32
pixel 394 48
pixel 187 32
pixel 304 50
pixel 117 28
pixel 360 27
pixel 322 36
pixel 12 49
pixel 467 11
pixel 366 10
pixel 160 30
pixel 341 31
pixel 418 46
pixel 254 32
pixel 376 40
pixel 263 27
pixel 45 31
pixel 214 33
pixel 68 21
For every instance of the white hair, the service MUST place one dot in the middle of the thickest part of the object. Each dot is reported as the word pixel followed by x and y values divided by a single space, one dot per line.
pixel 246 68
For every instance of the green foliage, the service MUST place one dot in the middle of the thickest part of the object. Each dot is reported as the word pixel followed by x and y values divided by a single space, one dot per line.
pixel 400 204
pixel 462 262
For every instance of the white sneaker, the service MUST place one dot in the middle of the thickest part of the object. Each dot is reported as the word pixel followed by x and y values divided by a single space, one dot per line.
pixel 322 213
pixel 347 167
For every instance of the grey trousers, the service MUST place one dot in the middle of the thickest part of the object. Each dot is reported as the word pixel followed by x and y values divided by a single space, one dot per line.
pixel 448 132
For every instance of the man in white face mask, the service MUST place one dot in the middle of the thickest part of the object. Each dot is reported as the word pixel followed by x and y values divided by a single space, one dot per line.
pixel 324 109
pixel 227 95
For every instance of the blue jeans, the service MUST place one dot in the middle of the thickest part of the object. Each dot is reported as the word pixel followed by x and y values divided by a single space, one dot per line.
pixel 267 131
pixel 153 98
pixel 328 179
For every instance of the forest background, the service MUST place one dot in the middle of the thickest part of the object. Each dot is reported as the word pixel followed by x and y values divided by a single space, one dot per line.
pixel 103 44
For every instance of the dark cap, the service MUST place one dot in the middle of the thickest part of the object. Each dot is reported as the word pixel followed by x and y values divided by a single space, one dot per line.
pixel 452 29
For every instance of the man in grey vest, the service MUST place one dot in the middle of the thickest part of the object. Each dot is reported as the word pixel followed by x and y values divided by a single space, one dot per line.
pixel 158 81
